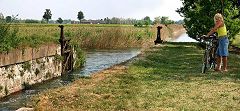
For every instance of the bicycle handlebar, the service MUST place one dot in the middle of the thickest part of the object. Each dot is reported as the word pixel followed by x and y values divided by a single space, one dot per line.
pixel 205 37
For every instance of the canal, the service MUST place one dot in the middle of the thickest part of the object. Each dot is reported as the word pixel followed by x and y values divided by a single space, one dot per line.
pixel 96 60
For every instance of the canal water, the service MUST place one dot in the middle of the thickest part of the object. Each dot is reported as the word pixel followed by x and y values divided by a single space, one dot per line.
pixel 184 38
pixel 96 60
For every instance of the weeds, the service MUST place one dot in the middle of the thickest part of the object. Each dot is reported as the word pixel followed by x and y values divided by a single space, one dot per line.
pixel 8 37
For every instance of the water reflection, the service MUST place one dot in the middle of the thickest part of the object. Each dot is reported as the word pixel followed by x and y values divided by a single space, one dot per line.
pixel 184 38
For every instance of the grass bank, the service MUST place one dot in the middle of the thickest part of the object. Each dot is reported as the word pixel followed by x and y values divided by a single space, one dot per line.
pixel 166 77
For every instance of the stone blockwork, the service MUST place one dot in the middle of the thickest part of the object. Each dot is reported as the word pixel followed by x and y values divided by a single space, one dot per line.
pixel 15 77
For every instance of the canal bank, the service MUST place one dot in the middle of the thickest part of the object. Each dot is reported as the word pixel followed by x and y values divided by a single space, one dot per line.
pixel 17 101
pixel 96 60
pixel 164 77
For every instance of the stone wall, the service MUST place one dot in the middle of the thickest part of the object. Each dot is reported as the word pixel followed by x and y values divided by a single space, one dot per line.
pixel 18 70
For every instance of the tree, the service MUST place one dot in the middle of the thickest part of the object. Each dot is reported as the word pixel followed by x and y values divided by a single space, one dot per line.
pixel 80 16
pixel 157 20
pixel 1 16
pixel 165 20
pixel 47 15
pixel 8 19
pixel 115 20
pixel 60 20
pixel 147 20
pixel 198 16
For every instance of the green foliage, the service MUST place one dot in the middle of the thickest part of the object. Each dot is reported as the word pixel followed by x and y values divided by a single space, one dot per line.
pixel 58 58
pixel 198 16
pixel 157 20
pixel 8 37
pixel 147 20
pixel 139 24
pixel 165 20
pixel 34 40
pixel 80 16
pixel 47 15
pixel 8 19
pixel 148 33
pixel 236 41
pixel 162 20
pixel 60 20
pixel 80 59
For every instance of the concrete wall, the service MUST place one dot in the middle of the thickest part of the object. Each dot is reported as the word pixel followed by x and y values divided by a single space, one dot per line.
pixel 18 69
pixel 26 54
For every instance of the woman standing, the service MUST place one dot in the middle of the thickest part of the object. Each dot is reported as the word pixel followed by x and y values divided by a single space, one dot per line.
pixel 222 50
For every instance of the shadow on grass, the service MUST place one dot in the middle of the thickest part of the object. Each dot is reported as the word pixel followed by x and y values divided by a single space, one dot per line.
pixel 182 61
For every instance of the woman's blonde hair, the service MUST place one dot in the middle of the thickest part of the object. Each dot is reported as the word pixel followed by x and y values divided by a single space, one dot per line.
pixel 218 16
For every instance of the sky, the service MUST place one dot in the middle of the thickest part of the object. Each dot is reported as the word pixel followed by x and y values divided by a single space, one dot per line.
pixel 92 9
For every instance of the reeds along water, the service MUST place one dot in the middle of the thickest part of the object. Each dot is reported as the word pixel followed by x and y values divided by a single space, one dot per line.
pixel 95 36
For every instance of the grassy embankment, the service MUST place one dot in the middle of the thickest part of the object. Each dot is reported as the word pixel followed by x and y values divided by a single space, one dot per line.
pixel 163 78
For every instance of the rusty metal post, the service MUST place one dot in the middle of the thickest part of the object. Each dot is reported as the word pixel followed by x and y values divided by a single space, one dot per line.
pixel 61 40
pixel 66 52
pixel 158 40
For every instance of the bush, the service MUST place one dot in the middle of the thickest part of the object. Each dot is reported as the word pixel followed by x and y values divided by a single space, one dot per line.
pixel 8 37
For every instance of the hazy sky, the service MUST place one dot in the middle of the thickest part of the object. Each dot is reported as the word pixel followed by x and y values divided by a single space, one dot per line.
pixel 92 9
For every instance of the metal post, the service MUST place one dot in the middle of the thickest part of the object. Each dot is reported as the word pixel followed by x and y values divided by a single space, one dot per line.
pixel 158 40
pixel 61 40
pixel 66 52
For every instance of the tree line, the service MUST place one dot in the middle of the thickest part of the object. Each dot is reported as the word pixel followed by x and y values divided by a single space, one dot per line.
pixel 80 16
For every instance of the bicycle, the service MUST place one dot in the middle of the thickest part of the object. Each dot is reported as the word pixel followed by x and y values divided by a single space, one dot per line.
pixel 209 58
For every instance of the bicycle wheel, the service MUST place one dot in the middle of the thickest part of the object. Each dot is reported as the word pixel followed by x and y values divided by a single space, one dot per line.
pixel 205 61
pixel 212 59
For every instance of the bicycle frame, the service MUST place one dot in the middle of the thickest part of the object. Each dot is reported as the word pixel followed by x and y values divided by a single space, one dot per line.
pixel 209 58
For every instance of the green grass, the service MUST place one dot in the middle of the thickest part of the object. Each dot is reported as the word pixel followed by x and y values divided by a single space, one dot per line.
pixel 85 35
pixel 165 78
